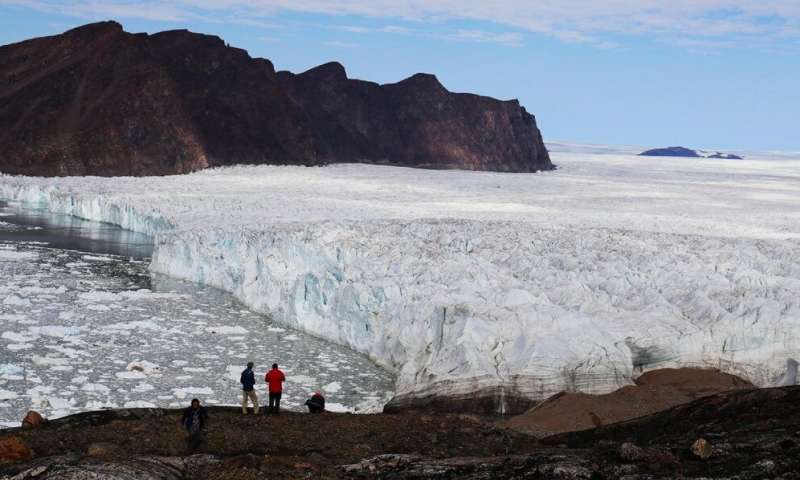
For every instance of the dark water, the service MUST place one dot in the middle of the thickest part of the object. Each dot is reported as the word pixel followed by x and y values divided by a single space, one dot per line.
pixel 31 223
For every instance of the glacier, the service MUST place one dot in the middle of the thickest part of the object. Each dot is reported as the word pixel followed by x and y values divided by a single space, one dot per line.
pixel 519 285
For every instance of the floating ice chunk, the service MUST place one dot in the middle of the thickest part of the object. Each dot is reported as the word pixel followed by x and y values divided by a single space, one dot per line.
pixel 95 388
pixel 130 375
pixel 337 407
pixel 62 368
pixel 99 296
pixel 57 331
pixel 227 330
pixel 187 391
pixel 9 371
pixel 98 308
pixel 134 325
pixel 144 387
pixel 139 404
pixel 332 387
pixel 49 361
pixel 276 329
pixel 7 395
pixel 14 256
pixel 144 366
pixel 97 258
pixel 17 337
pixel 14 300
pixel 145 294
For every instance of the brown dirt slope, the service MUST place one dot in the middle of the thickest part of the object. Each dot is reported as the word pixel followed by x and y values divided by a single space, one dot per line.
pixel 654 391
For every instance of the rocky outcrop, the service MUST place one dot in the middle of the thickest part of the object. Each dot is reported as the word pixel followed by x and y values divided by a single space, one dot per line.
pixel 415 122
pixel 687 152
pixel 746 435
pixel 100 101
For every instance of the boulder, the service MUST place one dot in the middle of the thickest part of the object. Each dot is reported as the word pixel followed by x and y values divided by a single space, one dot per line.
pixel 702 449
pixel 33 419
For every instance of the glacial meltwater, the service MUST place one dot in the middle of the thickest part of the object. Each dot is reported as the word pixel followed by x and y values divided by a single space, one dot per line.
pixel 85 326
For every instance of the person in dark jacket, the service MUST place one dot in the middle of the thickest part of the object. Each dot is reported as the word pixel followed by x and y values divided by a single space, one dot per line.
pixel 194 420
pixel 275 379
pixel 316 404
pixel 248 380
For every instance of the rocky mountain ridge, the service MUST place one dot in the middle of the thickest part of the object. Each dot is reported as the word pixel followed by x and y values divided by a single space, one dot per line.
pixel 97 100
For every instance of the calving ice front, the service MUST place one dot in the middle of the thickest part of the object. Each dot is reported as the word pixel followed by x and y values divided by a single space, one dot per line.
pixel 505 288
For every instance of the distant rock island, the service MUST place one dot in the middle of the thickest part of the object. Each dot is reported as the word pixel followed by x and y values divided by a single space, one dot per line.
pixel 97 100
pixel 687 152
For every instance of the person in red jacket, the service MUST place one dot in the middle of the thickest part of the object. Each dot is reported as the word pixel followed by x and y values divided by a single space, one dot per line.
pixel 275 379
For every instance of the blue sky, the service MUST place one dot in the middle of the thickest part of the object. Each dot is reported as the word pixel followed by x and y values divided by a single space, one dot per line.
pixel 701 73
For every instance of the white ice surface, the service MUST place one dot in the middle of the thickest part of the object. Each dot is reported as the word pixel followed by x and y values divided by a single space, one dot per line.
pixel 574 279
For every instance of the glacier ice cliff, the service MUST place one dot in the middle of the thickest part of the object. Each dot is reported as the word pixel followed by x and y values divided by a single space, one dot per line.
pixel 489 289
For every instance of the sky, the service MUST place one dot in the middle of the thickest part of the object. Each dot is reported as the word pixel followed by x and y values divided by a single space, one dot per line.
pixel 717 74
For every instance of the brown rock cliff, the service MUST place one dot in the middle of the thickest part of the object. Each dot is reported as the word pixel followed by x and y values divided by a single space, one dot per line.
pixel 97 100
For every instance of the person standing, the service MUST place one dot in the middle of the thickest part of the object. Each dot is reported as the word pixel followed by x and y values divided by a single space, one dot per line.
pixel 194 420
pixel 275 379
pixel 248 380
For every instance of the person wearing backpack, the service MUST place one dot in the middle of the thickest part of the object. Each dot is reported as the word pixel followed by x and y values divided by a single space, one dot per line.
pixel 316 404
pixel 275 379
pixel 248 380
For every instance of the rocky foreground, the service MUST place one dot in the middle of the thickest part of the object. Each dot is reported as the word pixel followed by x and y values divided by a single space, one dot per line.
pixel 750 434
pixel 97 100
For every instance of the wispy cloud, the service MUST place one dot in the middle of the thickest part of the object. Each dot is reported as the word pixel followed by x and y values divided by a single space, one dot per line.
pixel 509 39
pixel 586 21
pixel 340 44
pixel 383 29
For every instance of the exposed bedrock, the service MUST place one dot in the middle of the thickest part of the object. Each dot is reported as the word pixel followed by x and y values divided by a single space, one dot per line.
pixel 97 100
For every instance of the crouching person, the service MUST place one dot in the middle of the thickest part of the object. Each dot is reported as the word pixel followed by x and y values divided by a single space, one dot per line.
pixel 194 420
pixel 316 404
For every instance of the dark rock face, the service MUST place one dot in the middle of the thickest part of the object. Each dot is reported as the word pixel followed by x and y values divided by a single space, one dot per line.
pixel 415 122
pixel 671 152
pixel 726 156
pixel 686 152
pixel 99 101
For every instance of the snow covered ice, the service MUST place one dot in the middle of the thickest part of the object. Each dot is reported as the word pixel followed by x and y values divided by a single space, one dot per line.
pixel 577 279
